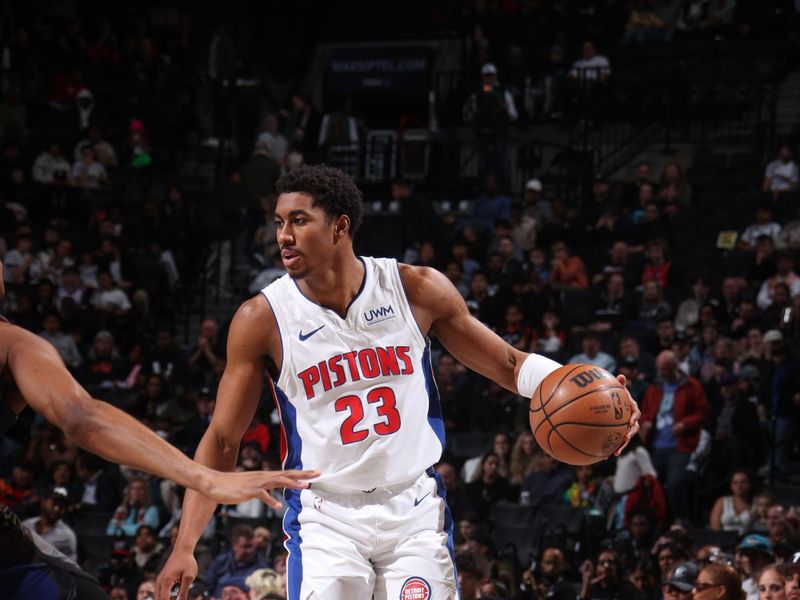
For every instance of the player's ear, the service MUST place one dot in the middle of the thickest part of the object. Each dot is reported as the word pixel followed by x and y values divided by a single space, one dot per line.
pixel 342 228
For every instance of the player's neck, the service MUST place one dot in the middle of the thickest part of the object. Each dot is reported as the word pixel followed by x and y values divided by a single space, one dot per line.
pixel 336 286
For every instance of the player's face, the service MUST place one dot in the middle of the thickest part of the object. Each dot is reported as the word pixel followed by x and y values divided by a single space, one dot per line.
pixel 305 234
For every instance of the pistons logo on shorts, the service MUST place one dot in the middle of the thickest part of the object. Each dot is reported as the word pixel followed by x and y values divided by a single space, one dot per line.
pixel 415 588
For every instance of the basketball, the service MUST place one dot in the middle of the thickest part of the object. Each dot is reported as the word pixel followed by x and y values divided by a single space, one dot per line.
pixel 579 414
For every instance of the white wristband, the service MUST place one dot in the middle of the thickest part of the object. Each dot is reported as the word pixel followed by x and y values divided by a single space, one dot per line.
pixel 535 368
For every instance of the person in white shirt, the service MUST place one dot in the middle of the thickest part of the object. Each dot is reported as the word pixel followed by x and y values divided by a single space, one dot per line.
pixel 50 526
pixel 109 297
pixel 591 66
pixel 87 172
pixel 782 174
pixel 51 167
pixel 785 266
pixel 764 225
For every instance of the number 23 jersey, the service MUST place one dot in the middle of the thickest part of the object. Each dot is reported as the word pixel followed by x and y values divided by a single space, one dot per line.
pixel 356 395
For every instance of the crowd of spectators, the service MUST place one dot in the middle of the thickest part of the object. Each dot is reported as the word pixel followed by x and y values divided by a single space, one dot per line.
pixel 102 243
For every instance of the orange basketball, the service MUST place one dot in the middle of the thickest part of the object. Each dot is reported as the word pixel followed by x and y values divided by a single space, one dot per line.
pixel 579 414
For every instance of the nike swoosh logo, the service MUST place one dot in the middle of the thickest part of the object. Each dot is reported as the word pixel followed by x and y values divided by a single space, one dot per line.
pixel 305 336
pixel 418 500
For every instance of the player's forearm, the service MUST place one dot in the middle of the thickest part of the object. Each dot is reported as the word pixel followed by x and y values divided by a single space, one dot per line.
pixel 119 438
pixel 197 509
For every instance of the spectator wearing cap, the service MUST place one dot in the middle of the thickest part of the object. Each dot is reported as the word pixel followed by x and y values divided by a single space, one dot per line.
pixel 733 423
pixel 491 109
pixel 240 561
pixel 49 525
pixel 674 411
pixel 535 204
pixel 680 582
pixel 637 386
pixel 753 553
pixel 593 355
pixel 785 267
pixel 121 570
pixel 687 362
pixel 188 436
pixel 779 402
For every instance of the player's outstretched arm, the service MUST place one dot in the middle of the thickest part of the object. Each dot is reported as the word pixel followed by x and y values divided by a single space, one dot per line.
pixel 439 307
pixel 252 337
pixel 44 383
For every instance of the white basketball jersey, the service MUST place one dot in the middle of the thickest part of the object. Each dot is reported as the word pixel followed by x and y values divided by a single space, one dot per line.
pixel 356 395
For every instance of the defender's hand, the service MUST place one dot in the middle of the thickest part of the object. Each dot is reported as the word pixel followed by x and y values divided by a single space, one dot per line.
pixel 233 488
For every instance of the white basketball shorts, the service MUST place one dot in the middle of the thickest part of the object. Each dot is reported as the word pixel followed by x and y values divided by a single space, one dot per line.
pixel 389 543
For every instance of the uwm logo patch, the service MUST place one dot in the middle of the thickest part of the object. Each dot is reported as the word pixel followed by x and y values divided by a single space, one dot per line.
pixel 378 315
pixel 584 378
pixel 415 588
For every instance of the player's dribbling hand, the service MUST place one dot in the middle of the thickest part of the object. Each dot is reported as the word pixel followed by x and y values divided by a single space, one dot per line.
pixel 633 423
pixel 180 569
pixel 233 488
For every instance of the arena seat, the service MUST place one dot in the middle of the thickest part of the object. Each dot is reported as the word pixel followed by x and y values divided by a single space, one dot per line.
pixel 511 513
pixel 467 445
pixel 724 539
pixel 517 539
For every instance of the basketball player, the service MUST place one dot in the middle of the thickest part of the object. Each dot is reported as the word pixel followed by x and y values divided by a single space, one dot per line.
pixel 32 373
pixel 344 339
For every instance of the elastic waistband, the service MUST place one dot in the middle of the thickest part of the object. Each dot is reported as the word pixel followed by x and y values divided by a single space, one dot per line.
pixel 392 488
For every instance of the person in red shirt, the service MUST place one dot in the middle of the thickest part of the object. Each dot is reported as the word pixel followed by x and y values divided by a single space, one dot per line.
pixel 674 410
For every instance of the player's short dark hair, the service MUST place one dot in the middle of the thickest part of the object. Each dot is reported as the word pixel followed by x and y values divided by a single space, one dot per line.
pixel 331 189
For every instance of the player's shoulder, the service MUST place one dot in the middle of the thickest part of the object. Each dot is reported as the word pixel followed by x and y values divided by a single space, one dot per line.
pixel 418 278
pixel 427 286
pixel 254 309
pixel 14 338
